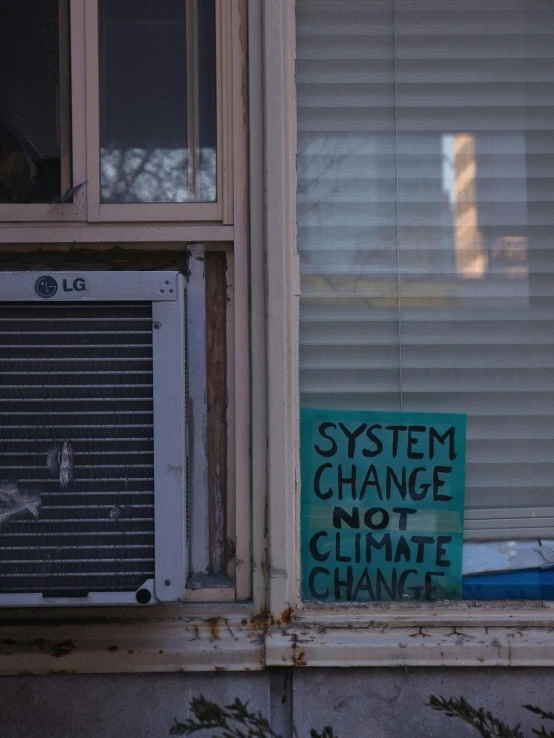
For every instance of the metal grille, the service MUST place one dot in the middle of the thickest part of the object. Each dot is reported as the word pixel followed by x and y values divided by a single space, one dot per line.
pixel 76 448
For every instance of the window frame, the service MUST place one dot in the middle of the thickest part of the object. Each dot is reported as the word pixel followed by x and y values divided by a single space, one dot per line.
pixel 83 54
pixel 141 212
pixel 461 633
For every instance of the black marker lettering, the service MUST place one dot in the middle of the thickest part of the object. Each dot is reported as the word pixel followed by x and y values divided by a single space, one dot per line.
pixel 404 512
pixel 352 435
pixel 435 435
pixel 371 541
pixel 413 441
pixel 402 583
pixel 421 541
pixel 347 481
pixel 371 479
pixel 441 550
pixel 382 584
pixel 314 551
pixel 429 587
pixel 334 448
pixel 438 482
pixel 311 583
pixel 317 482
pixel 376 440
pixel 340 515
pixel 338 555
pixel 412 485
pixel 402 549
pixel 364 585
pixel 400 484
pixel 369 518
pixel 395 431
pixel 344 583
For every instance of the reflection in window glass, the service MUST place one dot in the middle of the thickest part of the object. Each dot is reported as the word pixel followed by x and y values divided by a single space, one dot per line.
pixel 157 101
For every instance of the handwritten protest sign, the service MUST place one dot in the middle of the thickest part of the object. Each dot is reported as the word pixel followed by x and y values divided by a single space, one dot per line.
pixel 382 505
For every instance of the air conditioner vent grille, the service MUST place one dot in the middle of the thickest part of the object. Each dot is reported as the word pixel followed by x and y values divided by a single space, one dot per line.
pixel 76 447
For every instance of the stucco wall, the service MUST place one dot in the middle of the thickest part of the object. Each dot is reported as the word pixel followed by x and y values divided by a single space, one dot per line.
pixel 358 703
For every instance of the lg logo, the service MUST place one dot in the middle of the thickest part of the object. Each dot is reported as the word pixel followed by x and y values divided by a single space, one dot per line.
pixel 46 286
pixel 72 287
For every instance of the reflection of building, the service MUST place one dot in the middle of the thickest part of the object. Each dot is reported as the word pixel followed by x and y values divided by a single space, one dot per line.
pixel 490 216
pixel 471 260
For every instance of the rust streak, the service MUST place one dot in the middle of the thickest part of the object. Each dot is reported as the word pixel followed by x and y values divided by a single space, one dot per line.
pixel 286 615
pixel 214 626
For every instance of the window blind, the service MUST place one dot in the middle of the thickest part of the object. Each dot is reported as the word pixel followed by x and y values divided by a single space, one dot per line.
pixel 426 230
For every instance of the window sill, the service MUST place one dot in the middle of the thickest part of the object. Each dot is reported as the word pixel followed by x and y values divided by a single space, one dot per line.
pixel 72 233
pixel 456 634
pixel 227 640
pixel 225 637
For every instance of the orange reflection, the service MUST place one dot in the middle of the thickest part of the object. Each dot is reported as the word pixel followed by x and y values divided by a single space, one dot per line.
pixel 483 251
pixel 470 255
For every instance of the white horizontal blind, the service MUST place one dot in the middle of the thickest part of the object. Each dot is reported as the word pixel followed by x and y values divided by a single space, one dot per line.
pixel 426 230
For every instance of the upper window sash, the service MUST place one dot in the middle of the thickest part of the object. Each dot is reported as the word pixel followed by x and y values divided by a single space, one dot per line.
pixel 130 208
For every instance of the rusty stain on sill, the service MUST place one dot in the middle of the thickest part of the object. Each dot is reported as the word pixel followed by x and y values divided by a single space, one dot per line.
pixel 213 624
pixel 286 615
pixel 265 622
pixel 298 656
pixel 57 649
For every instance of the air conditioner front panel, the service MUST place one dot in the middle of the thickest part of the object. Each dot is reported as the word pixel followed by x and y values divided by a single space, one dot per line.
pixel 79 373
pixel 92 440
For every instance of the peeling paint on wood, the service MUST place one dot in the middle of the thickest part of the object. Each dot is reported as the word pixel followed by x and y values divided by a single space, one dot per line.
pixel 216 287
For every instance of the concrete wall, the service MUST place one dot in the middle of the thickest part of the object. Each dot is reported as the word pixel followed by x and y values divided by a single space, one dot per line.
pixel 358 703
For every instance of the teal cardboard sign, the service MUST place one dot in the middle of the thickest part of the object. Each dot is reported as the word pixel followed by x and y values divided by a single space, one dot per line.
pixel 382 505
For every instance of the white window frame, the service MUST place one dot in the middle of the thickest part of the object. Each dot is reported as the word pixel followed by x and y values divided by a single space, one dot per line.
pixel 461 633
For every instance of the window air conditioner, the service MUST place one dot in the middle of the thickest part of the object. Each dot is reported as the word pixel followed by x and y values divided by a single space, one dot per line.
pixel 92 438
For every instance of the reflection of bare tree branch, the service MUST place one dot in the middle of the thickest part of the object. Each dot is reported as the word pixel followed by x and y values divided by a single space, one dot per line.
pixel 155 175
pixel 341 179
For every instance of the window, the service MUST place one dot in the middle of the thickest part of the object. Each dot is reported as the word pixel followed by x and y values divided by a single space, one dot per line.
pixel 424 212
pixel 141 114
pixel 113 111
pixel 155 145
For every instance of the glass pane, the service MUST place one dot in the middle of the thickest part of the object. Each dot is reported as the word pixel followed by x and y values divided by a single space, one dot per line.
pixel 425 232
pixel 157 93
pixel 31 97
